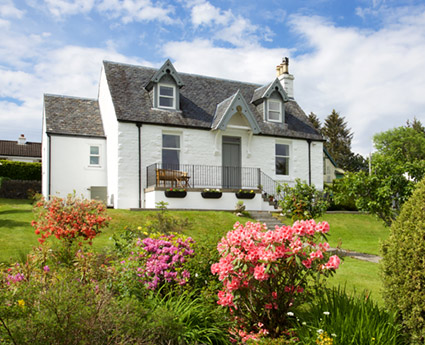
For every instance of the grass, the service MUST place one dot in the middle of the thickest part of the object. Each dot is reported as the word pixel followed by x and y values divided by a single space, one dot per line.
pixel 357 232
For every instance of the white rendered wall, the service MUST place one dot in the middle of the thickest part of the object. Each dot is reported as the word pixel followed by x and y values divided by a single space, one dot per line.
pixel 70 168
pixel 204 147
pixel 194 200
pixel 110 126
pixel 128 168
pixel 44 160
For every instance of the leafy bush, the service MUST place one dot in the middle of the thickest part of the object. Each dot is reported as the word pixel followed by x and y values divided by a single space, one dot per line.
pixel 302 201
pixel 185 319
pixel 403 265
pixel 69 219
pixel 267 273
pixel 18 189
pixel 20 170
pixel 337 318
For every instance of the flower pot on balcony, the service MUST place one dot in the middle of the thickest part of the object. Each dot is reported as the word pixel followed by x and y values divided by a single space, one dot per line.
pixel 175 194
pixel 211 195
pixel 242 195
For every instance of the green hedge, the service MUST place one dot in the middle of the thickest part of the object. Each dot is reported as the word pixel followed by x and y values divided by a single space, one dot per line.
pixel 20 170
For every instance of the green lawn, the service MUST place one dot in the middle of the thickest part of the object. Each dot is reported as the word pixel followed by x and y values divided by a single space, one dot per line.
pixel 357 232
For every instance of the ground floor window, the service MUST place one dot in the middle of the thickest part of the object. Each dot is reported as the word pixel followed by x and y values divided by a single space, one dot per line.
pixel 171 151
pixel 282 159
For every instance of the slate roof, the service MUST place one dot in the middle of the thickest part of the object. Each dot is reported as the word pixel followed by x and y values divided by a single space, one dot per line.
pixel 199 98
pixel 72 116
pixel 11 148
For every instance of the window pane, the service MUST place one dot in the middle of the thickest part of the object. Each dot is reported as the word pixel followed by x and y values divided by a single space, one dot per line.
pixel 169 140
pixel 282 166
pixel 94 160
pixel 170 159
pixel 273 115
pixel 166 91
pixel 94 150
pixel 275 106
pixel 282 150
pixel 166 102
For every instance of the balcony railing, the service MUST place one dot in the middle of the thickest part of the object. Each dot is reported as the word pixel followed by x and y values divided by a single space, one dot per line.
pixel 202 176
pixel 209 176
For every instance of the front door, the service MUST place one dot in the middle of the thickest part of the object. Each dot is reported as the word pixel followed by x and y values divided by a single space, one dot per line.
pixel 231 162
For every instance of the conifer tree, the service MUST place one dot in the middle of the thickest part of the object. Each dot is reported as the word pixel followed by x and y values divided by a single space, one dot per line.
pixel 315 121
pixel 338 138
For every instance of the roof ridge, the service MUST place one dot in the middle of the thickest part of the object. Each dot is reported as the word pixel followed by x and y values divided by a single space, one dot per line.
pixel 187 74
pixel 72 97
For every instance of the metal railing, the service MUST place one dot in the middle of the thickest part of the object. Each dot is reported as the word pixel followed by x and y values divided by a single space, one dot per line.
pixel 202 176
pixel 269 186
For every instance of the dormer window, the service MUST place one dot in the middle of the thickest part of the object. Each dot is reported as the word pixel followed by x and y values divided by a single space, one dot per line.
pixel 167 96
pixel 274 111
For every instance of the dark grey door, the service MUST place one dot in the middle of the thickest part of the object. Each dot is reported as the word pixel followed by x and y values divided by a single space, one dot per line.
pixel 231 162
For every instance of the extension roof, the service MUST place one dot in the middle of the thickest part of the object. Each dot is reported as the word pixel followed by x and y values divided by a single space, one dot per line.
pixel 73 116
pixel 12 148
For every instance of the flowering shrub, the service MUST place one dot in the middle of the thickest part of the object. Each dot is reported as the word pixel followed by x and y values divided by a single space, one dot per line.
pixel 265 273
pixel 159 259
pixel 69 219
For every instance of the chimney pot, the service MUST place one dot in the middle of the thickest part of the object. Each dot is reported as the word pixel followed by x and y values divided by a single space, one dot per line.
pixel 22 140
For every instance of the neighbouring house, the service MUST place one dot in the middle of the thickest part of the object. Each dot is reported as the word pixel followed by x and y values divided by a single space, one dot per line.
pixel 330 168
pixel 20 150
pixel 151 130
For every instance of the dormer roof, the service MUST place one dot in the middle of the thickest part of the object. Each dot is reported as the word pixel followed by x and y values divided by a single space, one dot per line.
pixel 166 69
pixel 265 91
pixel 235 104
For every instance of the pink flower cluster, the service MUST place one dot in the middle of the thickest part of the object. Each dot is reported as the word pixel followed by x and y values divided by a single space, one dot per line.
pixel 160 260
pixel 269 268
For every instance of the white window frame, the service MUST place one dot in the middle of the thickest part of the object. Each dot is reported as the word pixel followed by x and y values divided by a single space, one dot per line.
pixel 179 149
pixel 288 157
pixel 166 96
pixel 274 111
pixel 94 155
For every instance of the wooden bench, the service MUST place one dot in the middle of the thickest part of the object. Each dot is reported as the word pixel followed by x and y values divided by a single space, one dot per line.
pixel 175 177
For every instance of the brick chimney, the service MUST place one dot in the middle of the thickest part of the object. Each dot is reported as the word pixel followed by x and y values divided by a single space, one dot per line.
pixel 286 79
pixel 22 140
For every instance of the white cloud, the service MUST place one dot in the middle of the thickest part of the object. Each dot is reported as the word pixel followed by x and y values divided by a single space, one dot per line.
pixel 206 14
pixel 251 64
pixel 127 10
pixel 373 78
pixel 69 7
pixel 8 10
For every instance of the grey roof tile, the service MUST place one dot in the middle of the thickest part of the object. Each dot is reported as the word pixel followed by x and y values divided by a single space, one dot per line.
pixel 72 116
pixel 199 99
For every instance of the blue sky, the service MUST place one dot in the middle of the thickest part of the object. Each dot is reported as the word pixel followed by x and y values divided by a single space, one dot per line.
pixel 364 58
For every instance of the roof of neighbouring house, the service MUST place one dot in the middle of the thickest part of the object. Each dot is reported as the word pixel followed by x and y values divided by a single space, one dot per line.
pixel 199 98
pixel 73 116
pixel 12 148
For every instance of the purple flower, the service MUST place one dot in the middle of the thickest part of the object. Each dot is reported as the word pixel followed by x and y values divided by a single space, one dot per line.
pixel 46 268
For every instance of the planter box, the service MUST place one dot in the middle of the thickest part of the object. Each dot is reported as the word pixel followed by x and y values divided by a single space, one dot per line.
pixel 175 194
pixel 245 195
pixel 211 195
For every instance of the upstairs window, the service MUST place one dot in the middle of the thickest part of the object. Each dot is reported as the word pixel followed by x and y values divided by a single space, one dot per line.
pixel 274 111
pixel 170 151
pixel 166 96
pixel 94 155
pixel 282 159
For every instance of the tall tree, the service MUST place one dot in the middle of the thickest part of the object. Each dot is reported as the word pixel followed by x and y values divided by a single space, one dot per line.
pixel 315 121
pixel 416 125
pixel 338 138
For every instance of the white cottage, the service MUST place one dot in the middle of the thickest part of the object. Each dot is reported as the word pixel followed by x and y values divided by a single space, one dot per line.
pixel 155 129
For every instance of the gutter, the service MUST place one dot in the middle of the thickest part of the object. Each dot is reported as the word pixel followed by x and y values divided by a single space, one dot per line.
pixel 49 178
pixel 139 125
pixel 309 161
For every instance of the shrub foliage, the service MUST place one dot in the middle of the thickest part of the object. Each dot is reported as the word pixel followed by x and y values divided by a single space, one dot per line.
pixel 404 267
pixel 20 170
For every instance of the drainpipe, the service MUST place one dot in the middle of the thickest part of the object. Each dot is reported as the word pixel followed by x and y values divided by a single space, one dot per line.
pixel 309 161
pixel 49 169
pixel 138 124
